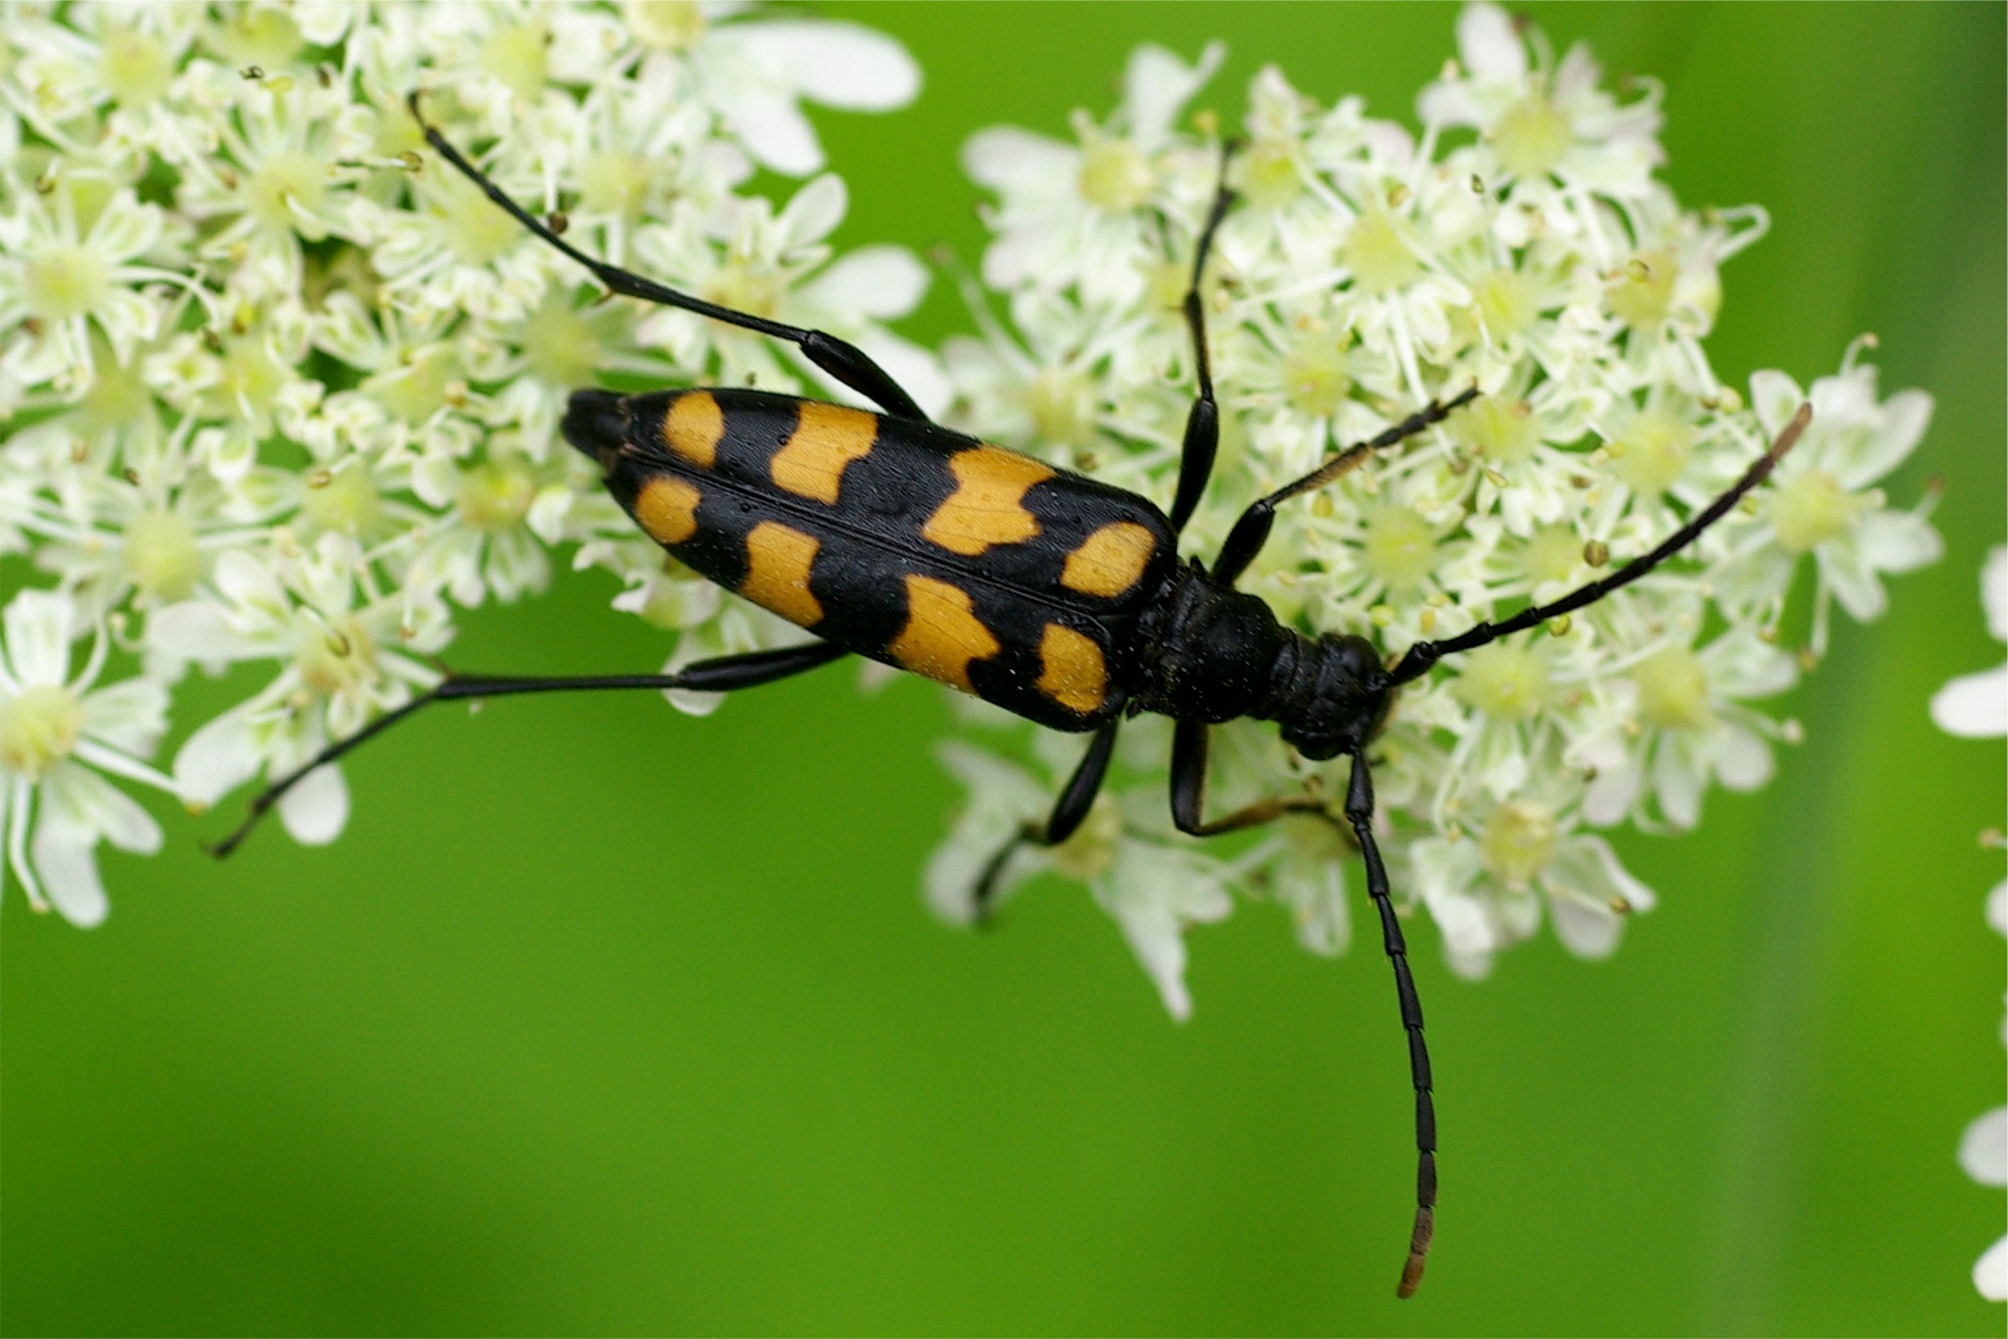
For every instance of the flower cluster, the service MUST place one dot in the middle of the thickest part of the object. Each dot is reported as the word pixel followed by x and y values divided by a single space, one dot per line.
pixel 1522 244
pixel 279 390
pixel 1975 706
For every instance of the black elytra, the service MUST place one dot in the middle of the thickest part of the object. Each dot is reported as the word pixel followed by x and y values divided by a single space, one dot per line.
pixel 1040 590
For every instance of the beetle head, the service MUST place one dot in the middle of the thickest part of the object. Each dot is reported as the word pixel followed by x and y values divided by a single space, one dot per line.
pixel 1340 700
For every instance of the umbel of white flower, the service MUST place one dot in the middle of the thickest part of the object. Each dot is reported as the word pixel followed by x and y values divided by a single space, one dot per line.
pixel 295 408
pixel 1975 706
pixel 279 392
pixel 1523 243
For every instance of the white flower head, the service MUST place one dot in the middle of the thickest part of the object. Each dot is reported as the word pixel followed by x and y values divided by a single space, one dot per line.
pixel 1975 706
pixel 1081 214
pixel 283 388
pixel 1824 500
pixel 62 737
pixel 1536 118
pixel 1360 274
pixel 74 257
pixel 348 653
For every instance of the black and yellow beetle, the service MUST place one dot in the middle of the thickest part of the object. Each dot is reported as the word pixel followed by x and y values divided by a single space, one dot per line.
pixel 1042 591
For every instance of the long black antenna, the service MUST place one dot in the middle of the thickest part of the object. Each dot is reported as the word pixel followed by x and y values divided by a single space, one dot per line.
pixel 1360 812
pixel 841 359
pixel 1423 655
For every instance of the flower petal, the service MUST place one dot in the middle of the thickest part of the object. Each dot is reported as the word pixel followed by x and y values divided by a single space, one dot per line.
pixel 876 281
pixel 1994 591
pixel 66 860
pixel 775 132
pixel 1011 161
pixel 1990 1272
pixel 1156 83
pixel 835 63
pixel 92 807
pixel 1904 417
pixel 1586 928
pixel 1973 706
pixel 38 625
pixel 218 758
pixel 815 209
pixel 130 715
pixel 1775 397
pixel 1898 541
pixel 1983 1149
pixel 1490 45
pixel 1743 759
pixel 317 809
pixel 1154 893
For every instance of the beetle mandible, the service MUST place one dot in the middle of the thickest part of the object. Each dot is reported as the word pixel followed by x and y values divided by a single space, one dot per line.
pixel 1059 598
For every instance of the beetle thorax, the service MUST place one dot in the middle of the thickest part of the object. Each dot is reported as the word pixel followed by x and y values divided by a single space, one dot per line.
pixel 1215 654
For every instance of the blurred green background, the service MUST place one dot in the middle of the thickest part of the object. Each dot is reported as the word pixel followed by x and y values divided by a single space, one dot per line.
pixel 602 1019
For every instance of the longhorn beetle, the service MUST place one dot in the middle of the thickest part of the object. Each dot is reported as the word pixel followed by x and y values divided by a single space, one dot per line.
pixel 1053 596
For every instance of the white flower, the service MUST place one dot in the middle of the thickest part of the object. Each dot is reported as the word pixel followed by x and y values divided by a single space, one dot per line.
pixel 1082 215
pixel 1677 718
pixel 317 613
pixel 57 735
pixel 1481 889
pixel 1539 120
pixel 1983 1152
pixel 277 178
pixel 1823 498
pixel 1153 883
pixel 1976 705
pixel 149 533
pixel 70 259
pixel 1973 706
pixel 757 72
pixel 303 414
pixel 298 414
pixel 1362 273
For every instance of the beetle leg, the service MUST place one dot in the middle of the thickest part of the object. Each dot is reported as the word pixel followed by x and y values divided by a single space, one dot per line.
pixel 841 359
pixel 1251 531
pixel 1073 805
pixel 721 675
pixel 1188 792
pixel 1202 425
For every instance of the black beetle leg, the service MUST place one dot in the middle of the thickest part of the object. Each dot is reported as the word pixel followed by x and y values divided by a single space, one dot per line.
pixel 1188 792
pixel 1075 800
pixel 721 675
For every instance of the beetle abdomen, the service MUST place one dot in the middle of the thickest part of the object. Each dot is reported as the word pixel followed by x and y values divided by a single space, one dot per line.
pixel 978 567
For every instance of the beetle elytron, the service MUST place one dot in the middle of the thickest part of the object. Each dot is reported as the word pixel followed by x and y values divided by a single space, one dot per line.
pixel 1053 596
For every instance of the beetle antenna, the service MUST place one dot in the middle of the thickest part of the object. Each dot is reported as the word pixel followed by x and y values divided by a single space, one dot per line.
pixel 841 359
pixel 1360 813
pixel 1423 655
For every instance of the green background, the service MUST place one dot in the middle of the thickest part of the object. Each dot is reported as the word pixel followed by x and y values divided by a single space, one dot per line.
pixel 603 1019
